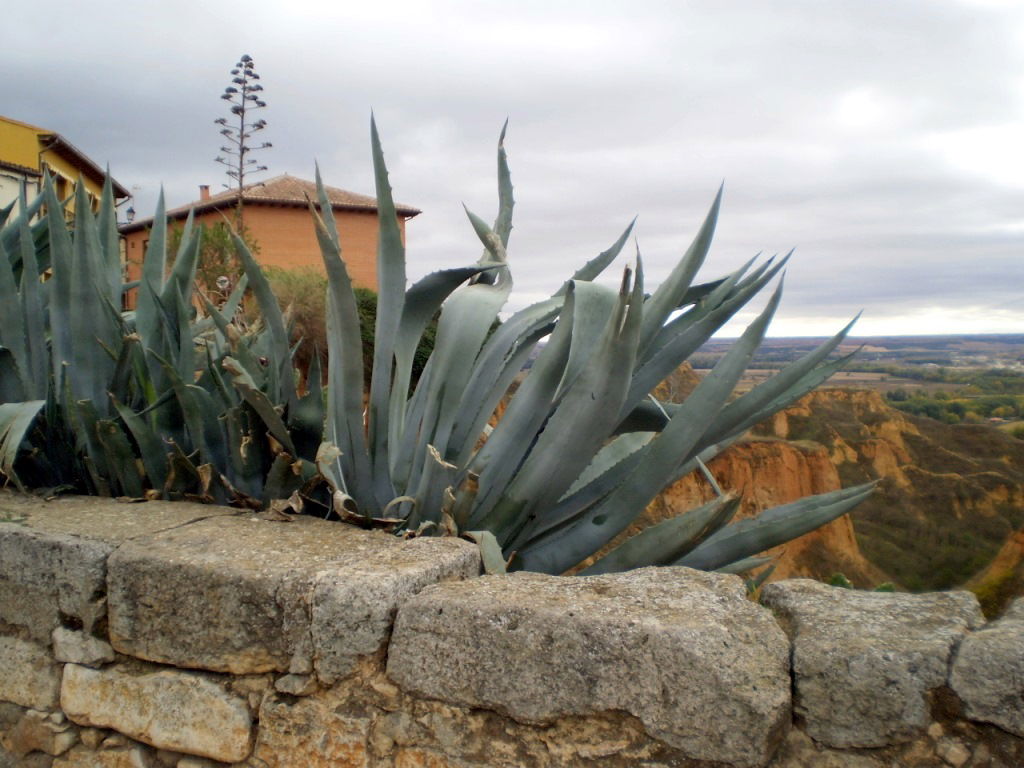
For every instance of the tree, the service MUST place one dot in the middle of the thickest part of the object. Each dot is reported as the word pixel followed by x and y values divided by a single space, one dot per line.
pixel 244 95
pixel 217 257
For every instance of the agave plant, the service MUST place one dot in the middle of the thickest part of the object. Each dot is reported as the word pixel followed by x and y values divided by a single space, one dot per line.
pixel 134 403
pixel 583 446
pixel 167 402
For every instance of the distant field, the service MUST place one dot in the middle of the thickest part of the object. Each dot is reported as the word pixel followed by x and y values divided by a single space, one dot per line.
pixel 879 382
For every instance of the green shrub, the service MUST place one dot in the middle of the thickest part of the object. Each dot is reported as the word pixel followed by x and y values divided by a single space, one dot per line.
pixel 303 294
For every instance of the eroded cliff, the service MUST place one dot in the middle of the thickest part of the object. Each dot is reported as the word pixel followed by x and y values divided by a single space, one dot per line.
pixel 948 498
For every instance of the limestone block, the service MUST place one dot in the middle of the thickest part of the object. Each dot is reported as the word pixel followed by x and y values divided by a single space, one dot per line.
pixel 81 648
pixel 54 561
pixel 798 751
pixel 36 732
pixel 28 675
pixel 704 669
pixel 123 757
pixel 196 762
pixel 168 709
pixel 354 608
pixel 31 760
pixel 237 594
pixel 9 714
pixel 864 662
pixel 313 727
pixel 296 685
pixel 988 672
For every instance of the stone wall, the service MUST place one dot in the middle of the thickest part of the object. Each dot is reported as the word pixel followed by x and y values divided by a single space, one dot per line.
pixel 188 636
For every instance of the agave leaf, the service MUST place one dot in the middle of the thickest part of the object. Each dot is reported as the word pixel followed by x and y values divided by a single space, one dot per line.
pixel 306 419
pixel 611 454
pixel 490 551
pixel 282 480
pixel 12 326
pixel 281 384
pixel 507 349
pixel 461 332
pixel 226 312
pixel 556 551
pixel 34 320
pixel 15 421
pixel 501 358
pixel 390 300
pixel 184 478
pixel 769 391
pixel 11 233
pixel 327 463
pixel 506 201
pixel 214 382
pixel 497 461
pixel 684 335
pixel 499 362
pixel 344 424
pixel 60 293
pixel 599 263
pixel 260 403
pixel 5 212
pixel 768 397
pixel 239 349
pixel 110 243
pixel 183 273
pixel 122 380
pixel 773 527
pixel 744 565
pixel 329 222
pixel 245 465
pixel 120 458
pixel 668 540
pixel 755 581
pixel 151 282
pixel 203 417
pixel 718 437
pixel 152 450
pixel 500 457
pixel 422 302
pixel 670 293
pixel 11 389
pixel 85 419
pixel 91 366
pixel 593 308
pixel 697 292
pixel 649 415
pixel 177 330
pixel 494 249
pixel 438 476
pixel 729 287
pixel 580 424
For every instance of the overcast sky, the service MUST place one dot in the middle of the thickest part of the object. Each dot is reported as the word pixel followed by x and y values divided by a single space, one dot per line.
pixel 883 139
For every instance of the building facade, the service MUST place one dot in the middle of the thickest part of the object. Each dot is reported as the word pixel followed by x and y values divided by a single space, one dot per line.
pixel 276 216
pixel 27 151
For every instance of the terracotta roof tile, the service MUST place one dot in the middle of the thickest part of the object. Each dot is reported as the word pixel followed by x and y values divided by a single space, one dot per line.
pixel 280 190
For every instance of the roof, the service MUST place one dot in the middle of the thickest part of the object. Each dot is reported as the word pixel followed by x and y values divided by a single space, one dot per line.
pixel 24 170
pixel 57 143
pixel 283 190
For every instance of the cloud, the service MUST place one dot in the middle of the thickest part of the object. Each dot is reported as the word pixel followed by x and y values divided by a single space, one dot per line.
pixel 878 138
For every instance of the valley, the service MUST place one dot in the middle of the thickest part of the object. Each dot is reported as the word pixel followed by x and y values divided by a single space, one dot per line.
pixel 949 508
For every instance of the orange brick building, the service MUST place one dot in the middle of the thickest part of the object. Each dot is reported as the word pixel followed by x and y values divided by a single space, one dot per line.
pixel 277 217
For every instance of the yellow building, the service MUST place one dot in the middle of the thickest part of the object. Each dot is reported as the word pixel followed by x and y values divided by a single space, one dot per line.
pixel 26 151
